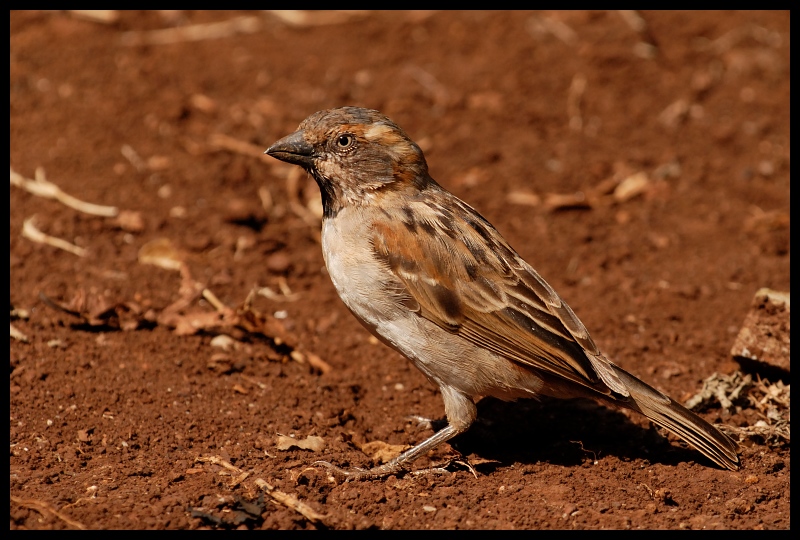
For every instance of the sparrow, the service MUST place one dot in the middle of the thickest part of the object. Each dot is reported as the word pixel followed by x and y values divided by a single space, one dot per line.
pixel 431 278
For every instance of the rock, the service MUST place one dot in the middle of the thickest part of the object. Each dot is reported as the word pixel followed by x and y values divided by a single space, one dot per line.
pixel 764 336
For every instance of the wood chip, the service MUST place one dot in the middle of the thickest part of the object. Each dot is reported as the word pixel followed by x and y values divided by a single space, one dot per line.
pixel 635 184
pixel 18 335
pixel 318 363
pixel 563 201
pixel 524 197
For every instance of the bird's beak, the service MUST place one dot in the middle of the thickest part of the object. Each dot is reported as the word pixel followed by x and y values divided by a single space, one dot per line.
pixel 293 149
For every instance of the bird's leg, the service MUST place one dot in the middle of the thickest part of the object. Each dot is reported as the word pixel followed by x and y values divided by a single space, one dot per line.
pixel 461 412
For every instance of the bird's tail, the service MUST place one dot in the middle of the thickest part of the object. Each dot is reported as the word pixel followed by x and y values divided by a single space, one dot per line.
pixel 676 418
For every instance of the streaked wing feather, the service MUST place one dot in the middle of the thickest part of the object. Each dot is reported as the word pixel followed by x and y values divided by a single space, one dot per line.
pixel 467 279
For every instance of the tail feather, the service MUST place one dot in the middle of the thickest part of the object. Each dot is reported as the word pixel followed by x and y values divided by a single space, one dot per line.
pixel 676 418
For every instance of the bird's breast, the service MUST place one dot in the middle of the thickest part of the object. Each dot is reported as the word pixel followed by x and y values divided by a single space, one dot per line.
pixel 357 274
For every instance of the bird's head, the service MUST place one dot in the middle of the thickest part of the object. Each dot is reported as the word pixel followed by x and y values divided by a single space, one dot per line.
pixel 353 154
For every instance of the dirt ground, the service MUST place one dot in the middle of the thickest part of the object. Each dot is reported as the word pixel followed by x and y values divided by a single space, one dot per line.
pixel 127 410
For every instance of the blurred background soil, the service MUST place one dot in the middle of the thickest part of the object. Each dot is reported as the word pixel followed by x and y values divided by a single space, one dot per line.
pixel 640 161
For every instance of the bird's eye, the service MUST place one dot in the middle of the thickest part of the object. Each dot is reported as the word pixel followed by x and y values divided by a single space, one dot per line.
pixel 345 141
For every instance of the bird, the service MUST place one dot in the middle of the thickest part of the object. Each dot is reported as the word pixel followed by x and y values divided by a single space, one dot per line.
pixel 431 278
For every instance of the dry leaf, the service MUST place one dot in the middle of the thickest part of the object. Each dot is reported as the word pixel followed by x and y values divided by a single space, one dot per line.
pixel 382 451
pixel 312 442
pixel 161 252
pixel 191 323
pixel 97 311
pixel 131 221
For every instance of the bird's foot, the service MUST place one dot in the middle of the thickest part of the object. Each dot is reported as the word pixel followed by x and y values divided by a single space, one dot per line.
pixel 382 471
pixel 357 473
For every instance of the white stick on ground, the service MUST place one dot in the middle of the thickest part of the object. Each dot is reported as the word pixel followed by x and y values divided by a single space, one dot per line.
pixel 41 187
pixel 30 232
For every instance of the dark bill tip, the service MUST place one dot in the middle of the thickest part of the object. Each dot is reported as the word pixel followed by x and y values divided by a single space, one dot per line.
pixel 292 149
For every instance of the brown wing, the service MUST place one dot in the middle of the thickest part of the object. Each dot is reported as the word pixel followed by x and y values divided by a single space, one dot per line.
pixel 461 274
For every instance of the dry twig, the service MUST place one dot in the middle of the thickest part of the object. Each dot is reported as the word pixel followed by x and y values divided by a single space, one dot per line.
pixel 216 460
pixel 103 16
pixel 633 19
pixel 133 156
pixel 290 501
pixel 41 187
pixel 195 32
pixel 30 232
pixel 574 97
pixel 539 26
pixel 286 294
pixel 45 509
pixel 302 18
pixel 220 141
